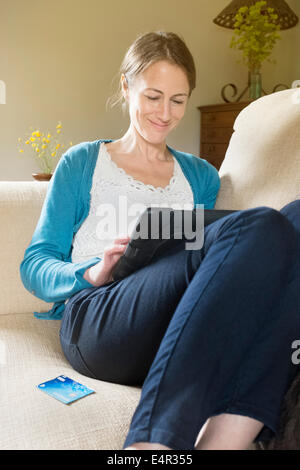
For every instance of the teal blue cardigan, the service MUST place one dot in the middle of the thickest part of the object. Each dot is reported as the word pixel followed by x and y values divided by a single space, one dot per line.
pixel 47 270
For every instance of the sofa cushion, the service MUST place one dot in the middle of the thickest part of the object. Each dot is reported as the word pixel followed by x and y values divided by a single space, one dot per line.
pixel 30 353
pixel 20 206
pixel 262 162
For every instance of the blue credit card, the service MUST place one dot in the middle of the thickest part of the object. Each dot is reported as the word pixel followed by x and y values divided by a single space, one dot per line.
pixel 65 389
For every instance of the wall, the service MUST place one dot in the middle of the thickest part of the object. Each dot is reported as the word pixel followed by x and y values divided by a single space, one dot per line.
pixel 59 59
pixel 295 43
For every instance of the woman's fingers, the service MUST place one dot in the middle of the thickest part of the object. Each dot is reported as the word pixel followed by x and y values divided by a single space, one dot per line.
pixel 121 240
pixel 116 248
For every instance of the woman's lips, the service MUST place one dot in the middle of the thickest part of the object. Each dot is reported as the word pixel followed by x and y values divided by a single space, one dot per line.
pixel 159 126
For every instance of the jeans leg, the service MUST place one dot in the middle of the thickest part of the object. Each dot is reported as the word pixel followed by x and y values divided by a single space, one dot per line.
pixel 116 329
pixel 234 295
pixel 292 212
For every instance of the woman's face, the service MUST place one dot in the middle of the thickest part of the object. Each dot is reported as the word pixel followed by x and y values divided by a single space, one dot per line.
pixel 157 100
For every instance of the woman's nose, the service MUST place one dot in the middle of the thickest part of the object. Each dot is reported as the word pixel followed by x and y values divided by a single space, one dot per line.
pixel 164 112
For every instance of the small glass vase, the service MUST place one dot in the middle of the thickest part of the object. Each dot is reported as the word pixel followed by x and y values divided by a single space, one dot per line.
pixel 255 84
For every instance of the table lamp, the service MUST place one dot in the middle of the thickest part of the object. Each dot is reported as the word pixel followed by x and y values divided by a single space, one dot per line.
pixel 286 19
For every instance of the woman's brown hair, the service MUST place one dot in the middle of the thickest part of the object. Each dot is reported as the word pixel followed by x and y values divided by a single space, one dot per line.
pixel 152 47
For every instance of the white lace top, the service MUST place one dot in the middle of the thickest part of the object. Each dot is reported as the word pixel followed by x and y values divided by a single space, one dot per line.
pixel 117 200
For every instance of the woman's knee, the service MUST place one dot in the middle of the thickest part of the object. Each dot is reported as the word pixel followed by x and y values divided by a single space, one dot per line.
pixel 271 220
pixel 262 226
pixel 291 207
pixel 276 229
pixel 292 212
pixel 270 217
pixel 257 217
pixel 258 222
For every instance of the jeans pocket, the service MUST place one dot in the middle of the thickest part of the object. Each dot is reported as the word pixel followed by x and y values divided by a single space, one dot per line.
pixel 74 357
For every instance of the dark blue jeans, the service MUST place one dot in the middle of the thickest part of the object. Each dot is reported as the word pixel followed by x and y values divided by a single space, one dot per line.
pixel 203 332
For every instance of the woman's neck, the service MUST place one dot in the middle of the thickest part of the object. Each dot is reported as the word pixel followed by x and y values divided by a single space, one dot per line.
pixel 134 144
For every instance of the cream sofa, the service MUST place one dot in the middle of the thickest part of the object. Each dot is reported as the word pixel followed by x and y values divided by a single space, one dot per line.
pixel 262 167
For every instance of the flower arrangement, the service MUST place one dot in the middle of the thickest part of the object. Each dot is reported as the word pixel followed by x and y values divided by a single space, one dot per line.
pixel 255 33
pixel 44 147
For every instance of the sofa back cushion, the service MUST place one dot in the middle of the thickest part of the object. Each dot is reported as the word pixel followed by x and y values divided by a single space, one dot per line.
pixel 262 162
pixel 20 206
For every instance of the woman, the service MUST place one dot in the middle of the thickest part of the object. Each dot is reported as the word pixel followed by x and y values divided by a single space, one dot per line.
pixel 207 333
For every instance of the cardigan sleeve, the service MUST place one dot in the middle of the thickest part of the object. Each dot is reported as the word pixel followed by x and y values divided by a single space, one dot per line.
pixel 212 187
pixel 46 270
pixel 203 177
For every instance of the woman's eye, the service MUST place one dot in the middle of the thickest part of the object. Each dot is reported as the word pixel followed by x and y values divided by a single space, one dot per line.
pixel 152 98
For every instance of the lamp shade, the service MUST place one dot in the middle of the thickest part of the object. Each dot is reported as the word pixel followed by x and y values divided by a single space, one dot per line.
pixel 286 17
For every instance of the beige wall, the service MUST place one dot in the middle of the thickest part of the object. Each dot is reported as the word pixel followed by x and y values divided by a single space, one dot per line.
pixel 58 59
pixel 295 46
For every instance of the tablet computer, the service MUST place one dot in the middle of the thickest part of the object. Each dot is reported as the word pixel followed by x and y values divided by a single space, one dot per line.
pixel 159 228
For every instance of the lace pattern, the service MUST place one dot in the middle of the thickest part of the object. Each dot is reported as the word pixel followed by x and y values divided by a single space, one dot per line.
pixel 128 179
pixel 117 200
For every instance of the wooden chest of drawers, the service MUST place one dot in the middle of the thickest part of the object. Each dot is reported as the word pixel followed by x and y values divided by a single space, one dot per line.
pixel 216 129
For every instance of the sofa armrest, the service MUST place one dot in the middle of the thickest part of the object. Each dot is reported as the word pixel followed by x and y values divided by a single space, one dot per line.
pixel 20 206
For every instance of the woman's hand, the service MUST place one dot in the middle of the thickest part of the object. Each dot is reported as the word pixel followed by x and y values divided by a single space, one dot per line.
pixel 101 273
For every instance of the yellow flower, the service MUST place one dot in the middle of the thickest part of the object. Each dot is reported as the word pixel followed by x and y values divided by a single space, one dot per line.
pixel 43 144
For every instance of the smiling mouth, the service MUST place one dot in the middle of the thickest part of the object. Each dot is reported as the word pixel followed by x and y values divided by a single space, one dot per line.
pixel 159 126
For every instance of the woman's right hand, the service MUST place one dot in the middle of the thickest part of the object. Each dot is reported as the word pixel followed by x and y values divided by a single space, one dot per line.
pixel 101 273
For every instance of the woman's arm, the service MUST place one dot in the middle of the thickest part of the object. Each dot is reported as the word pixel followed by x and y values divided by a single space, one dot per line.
pixel 46 270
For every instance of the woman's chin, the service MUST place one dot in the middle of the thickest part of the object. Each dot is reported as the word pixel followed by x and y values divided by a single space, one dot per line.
pixel 153 138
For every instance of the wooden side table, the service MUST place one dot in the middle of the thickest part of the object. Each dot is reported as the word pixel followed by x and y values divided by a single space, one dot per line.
pixel 216 129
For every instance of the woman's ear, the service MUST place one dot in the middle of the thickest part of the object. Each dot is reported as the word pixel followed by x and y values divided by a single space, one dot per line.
pixel 125 87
